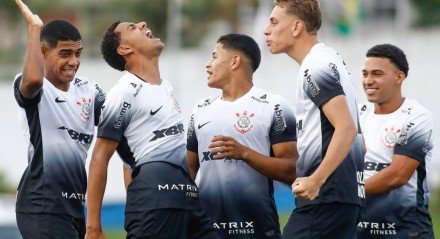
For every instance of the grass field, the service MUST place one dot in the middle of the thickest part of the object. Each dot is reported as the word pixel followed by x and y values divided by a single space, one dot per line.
pixel 284 216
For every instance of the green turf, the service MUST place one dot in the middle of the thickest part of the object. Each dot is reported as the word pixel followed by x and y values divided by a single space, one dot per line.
pixel 115 234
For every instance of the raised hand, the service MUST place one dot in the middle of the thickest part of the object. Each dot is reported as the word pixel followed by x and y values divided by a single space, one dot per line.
pixel 30 18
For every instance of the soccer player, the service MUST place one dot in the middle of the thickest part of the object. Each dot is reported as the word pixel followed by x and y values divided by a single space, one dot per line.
pixel 329 187
pixel 239 142
pixel 59 112
pixel 398 138
pixel 141 119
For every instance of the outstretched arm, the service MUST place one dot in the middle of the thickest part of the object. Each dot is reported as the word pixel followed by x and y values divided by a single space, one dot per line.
pixel 104 149
pixel 281 167
pixel 33 72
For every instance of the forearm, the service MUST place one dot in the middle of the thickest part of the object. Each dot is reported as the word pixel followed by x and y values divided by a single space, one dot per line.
pixel 95 193
pixel 383 182
pixel 33 71
pixel 337 150
pixel 127 177
pixel 280 169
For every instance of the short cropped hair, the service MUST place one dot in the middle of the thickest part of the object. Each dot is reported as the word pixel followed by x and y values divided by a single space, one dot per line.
pixel 245 45
pixel 307 10
pixel 59 30
pixel 396 56
pixel 109 48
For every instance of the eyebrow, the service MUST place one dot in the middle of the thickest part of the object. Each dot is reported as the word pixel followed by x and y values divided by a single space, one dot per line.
pixel 70 50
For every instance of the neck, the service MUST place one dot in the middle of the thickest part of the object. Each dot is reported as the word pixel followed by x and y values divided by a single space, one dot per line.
pixel 145 68
pixel 301 48
pixel 389 107
pixel 237 87
pixel 60 85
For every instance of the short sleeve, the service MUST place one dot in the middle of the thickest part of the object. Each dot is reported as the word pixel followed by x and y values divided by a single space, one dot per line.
pixel 321 83
pixel 99 102
pixel 21 100
pixel 192 143
pixel 116 114
pixel 415 140
pixel 283 127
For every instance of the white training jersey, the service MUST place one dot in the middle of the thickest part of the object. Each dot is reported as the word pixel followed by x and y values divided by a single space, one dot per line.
pixel 60 128
pixel 237 197
pixel 323 75
pixel 402 212
pixel 143 118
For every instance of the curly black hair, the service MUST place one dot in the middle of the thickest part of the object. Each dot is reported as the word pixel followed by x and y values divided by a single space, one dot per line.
pixel 396 56
pixel 59 30
pixel 109 48
pixel 244 44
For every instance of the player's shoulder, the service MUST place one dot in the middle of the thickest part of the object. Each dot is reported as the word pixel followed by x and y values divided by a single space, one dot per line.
pixel 365 108
pixel 126 85
pixel 322 58
pixel 83 81
pixel 416 111
pixel 265 97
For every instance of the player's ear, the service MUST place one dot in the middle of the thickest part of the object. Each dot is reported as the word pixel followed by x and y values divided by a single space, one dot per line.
pixel 400 76
pixel 44 48
pixel 124 49
pixel 297 27
pixel 236 62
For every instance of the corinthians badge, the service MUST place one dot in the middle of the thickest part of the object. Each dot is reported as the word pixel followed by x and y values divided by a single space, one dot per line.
pixel 390 136
pixel 244 123
pixel 84 104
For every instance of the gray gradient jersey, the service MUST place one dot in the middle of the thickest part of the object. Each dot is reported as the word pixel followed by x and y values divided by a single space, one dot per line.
pixel 145 119
pixel 238 198
pixel 402 212
pixel 60 128
pixel 323 75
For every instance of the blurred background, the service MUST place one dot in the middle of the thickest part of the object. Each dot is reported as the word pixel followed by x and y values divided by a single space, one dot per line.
pixel 190 29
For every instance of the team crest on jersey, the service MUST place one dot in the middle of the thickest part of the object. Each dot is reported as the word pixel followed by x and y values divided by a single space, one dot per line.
pixel 175 102
pixel 86 109
pixel 244 123
pixel 390 137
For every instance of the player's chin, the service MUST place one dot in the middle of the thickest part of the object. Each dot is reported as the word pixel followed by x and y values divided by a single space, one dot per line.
pixel 274 50
pixel 372 99
pixel 212 84
pixel 67 79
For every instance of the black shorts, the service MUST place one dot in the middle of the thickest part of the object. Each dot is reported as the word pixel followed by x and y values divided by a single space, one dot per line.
pixel 162 202
pixel 50 226
pixel 169 224
pixel 323 221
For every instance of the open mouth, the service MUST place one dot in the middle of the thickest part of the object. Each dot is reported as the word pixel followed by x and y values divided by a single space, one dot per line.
pixel 149 34
pixel 70 71
pixel 371 90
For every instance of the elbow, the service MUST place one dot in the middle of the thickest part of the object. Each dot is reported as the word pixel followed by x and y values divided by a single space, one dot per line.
pixel 399 180
pixel 350 132
pixel 347 131
pixel 32 83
